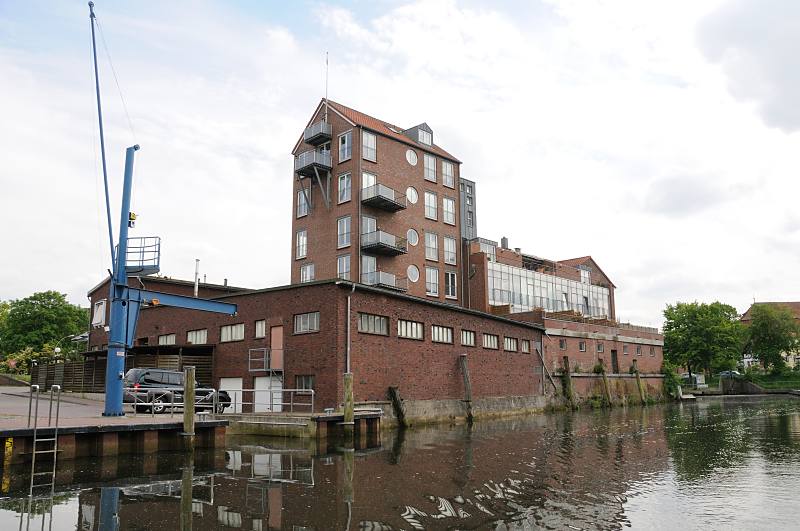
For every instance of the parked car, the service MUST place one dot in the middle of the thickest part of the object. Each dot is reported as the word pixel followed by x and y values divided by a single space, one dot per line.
pixel 729 374
pixel 161 387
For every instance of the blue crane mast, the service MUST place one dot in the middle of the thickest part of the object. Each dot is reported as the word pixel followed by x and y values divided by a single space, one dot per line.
pixel 131 257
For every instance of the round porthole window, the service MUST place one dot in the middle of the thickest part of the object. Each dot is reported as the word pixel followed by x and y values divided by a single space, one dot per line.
pixel 411 157
pixel 412 236
pixel 411 195
pixel 413 273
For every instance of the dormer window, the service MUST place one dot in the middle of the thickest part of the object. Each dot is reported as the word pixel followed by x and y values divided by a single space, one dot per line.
pixel 425 137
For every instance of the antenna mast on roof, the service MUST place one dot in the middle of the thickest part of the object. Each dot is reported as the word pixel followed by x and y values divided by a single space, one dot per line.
pixel 326 87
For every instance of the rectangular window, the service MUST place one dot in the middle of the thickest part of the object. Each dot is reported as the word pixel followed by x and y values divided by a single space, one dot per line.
pixel 432 281
pixel 600 347
pixel 99 314
pixel 345 187
pixel 586 276
pixel 441 334
pixel 301 244
pixel 307 273
pixel 638 350
pixel 302 203
pixel 425 137
pixel 510 344
pixel 197 337
pixel 469 200
pixel 467 338
pixel 430 205
pixel 369 148
pixel 234 332
pixel 524 345
pixel 582 346
pixel 470 219
pixel 562 344
pixel 450 285
pixel 261 328
pixel 449 210
pixel 652 351
pixel 431 246
pixel 624 350
pixel 306 322
pixel 448 175
pixel 345 146
pixel 410 329
pixel 368 180
pixel 491 341
pixel 166 339
pixel 343 232
pixel 430 168
pixel 449 250
pixel 373 324
pixel 304 381
pixel 343 266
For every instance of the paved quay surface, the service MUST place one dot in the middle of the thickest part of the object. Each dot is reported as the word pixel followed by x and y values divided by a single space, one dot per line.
pixel 75 411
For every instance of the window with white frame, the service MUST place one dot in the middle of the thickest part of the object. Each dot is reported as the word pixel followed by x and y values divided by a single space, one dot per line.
pixel 582 346
pixel 410 329
pixel 166 339
pixel 638 350
pixel 491 341
pixel 430 205
pixel 586 276
pixel 652 351
pixel 306 322
pixel 450 285
pixel 467 338
pixel 99 314
pixel 307 273
pixel 345 187
pixel 261 328
pixel 425 137
pixel 510 344
pixel 373 324
pixel 432 281
pixel 431 246
pixel 524 345
pixel 368 180
pixel 197 337
pixel 369 149
pixel 624 350
pixel 562 344
pixel 302 202
pixel 449 250
pixel 343 231
pixel 441 334
pixel 449 210
pixel 301 244
pixel 345 146
pixel 234 332
pixel 448 175
pixel 343 266
pixel 430 167
pixel 600 347
pixel 301 381
pixel 470 218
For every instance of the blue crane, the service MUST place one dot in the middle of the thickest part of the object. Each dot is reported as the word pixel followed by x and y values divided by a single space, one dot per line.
pixel 131 257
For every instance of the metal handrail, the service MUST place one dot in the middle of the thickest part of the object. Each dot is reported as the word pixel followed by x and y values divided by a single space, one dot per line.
pixel 316 129
pixel 381 190
pixel 159 393
pixel 382 237
pixel 383 278
pixel 233 393
pixel 312 156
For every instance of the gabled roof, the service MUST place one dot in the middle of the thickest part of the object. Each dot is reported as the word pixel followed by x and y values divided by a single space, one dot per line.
pixel 382 128
pixel 794 306
pixel 575 262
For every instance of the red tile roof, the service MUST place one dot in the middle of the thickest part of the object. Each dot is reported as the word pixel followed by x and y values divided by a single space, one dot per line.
pixel 793 306
pixel 386 129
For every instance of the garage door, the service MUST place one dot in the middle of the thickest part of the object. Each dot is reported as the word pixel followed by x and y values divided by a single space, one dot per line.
pixel 233 386
pixel 268 395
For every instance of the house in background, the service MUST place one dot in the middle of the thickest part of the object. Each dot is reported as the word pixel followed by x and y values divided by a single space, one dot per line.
pixel 791 359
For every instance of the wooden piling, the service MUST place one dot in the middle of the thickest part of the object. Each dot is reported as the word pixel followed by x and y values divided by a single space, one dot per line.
pixel 569 391
pixel 639 384
pixel 397 405
pixel 467 386
pixel 349 407
pixel 188 408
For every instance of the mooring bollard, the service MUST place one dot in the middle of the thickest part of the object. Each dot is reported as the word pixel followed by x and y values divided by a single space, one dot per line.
pixel 349 413
pixel 188 408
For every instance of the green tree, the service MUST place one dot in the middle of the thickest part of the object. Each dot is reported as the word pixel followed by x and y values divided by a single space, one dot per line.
pixel 773 331
pixel 43 318
pixel 702 336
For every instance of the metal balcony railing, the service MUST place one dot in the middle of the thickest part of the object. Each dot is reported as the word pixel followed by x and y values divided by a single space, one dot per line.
pixel 317 133
pixel 143 256
pixel 382 196
pixel 381 242
pixel 305 162
pixel 385 280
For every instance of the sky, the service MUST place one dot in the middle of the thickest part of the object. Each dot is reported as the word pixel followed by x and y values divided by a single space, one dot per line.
pixel 661 138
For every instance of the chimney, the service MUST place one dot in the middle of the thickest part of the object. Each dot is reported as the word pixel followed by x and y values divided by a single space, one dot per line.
pixel 504 243
pixel 518 250
pixel 225 282
pixel 196 276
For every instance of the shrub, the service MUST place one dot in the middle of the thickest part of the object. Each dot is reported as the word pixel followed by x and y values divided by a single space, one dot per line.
pixel 671 379
pixel 598 368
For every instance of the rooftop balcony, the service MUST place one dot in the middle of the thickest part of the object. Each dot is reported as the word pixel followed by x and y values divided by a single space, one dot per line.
pixel 306 162
pixel 317 133
pixel 381 196
pixel 382 279
pixel 380 242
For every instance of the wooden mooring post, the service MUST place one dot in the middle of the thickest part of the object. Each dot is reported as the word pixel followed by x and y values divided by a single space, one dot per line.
pixel 639 384
pixel 569 391
pixel 467 386
pixel 188 408
pixel 349 407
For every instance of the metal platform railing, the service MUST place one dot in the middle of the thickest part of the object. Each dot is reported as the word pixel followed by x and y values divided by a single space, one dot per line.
pixel 143 255
pixel 168 399
pixel 276 400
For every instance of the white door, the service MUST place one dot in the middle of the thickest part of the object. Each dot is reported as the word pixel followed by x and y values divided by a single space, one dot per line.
pixel 268 395
pixel 229 384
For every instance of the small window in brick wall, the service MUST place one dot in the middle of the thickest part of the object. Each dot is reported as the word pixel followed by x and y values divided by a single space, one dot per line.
pixel 306 322
pixel 491 341
pixel 524 345
pixel 304 381
pixel 652 351
pixel 510 344
pixel 624 350
pixel 410 329
pixel 562 344
pixel 600 347
pixel 468 338
pixel 638 350
pixel 441 334
pixel 582 346
pixel 261 328
pixel 373 324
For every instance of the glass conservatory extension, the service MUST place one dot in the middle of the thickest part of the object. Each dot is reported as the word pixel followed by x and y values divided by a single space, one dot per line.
pixel 525 290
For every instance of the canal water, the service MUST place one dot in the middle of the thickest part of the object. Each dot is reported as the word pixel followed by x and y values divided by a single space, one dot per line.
pixel 718 463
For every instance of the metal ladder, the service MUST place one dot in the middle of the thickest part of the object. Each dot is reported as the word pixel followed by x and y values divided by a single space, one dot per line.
pixel 52 441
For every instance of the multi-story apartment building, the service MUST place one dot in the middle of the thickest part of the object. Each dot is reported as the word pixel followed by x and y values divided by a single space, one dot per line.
pixel 469 220
pixel 380 208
